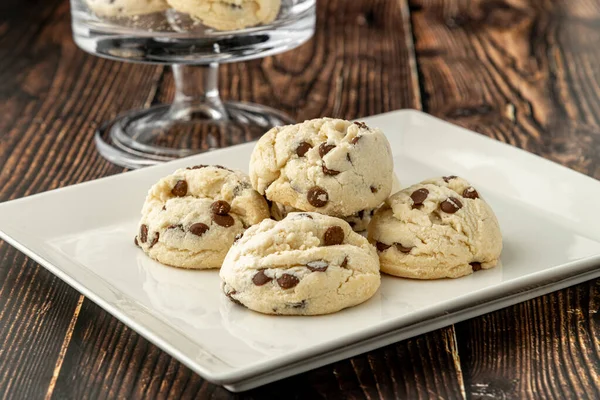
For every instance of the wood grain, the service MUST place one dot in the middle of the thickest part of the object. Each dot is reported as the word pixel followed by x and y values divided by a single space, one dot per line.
pixel 547 346
pixel 36 307
pixel 526 73
pixel 523 72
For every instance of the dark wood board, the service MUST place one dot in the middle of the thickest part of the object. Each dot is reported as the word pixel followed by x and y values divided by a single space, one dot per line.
pixel 525 73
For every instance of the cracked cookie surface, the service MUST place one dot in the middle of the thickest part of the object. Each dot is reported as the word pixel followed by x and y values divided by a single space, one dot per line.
pixel 439 228
pixel 126 8
pixel 306 264
pixel 191 218
pixel 330 166
pixel 228 15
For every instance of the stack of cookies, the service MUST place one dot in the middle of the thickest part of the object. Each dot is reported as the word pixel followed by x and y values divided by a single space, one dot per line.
pixel 285 237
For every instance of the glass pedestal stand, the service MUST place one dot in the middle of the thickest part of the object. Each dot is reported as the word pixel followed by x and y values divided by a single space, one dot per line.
pixel 197 121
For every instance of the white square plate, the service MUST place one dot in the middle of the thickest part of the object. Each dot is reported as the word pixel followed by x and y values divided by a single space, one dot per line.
pixel 84 234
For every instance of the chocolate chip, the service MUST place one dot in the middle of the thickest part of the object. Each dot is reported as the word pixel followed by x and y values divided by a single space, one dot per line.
pixel 344 263
pixel 260 278
pixel 361 125
pixel 334 235
pixel 207 166
pixel 302 304
pixel 451 205
pixel 155 240
pixel 238 237
pixel 199 229
pixel 143 233
pixel 287 281
pixel 220 207
pixel 164 208
pixel 223 220
pixel 180 189
pixel 476 266
pixel 236 301
pixel 317 266
pixel 325 148
pixel 240 188
pixel 196 167
pixel 419 196
pixel 135 241
pixel 175 227
pixel 470 193
pixel 303 148
pixel 374 189
pixel 317 197
pixel 447 179
pixel 402 248
pixel 331 172
pixel 304 215
pixel 382 246
pixel 355 139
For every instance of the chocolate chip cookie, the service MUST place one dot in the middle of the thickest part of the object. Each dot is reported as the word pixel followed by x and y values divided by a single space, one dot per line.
pixel 191 218
pixel 440 228
pixel 306 264
pixel 225 15
pixel 330 166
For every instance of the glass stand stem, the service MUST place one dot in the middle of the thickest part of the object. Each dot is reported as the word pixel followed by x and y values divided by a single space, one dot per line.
pixel 197 93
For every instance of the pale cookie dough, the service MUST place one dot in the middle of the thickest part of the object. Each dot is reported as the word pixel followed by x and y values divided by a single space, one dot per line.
pixel 306 264
pixel 440 228
pixel 191 218
pixel 330 166
pixel 228 15
pixel 126 8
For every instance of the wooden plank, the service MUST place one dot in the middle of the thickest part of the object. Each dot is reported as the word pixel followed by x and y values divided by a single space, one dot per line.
pixel 523 72
pixel 358 64
pixel 544 348
pixel 36 307
pixel 48 102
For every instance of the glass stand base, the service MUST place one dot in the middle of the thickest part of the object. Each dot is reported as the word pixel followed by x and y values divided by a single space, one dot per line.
pixel 168 132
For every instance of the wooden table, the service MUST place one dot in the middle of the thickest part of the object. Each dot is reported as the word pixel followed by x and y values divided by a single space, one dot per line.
pixel 522 72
